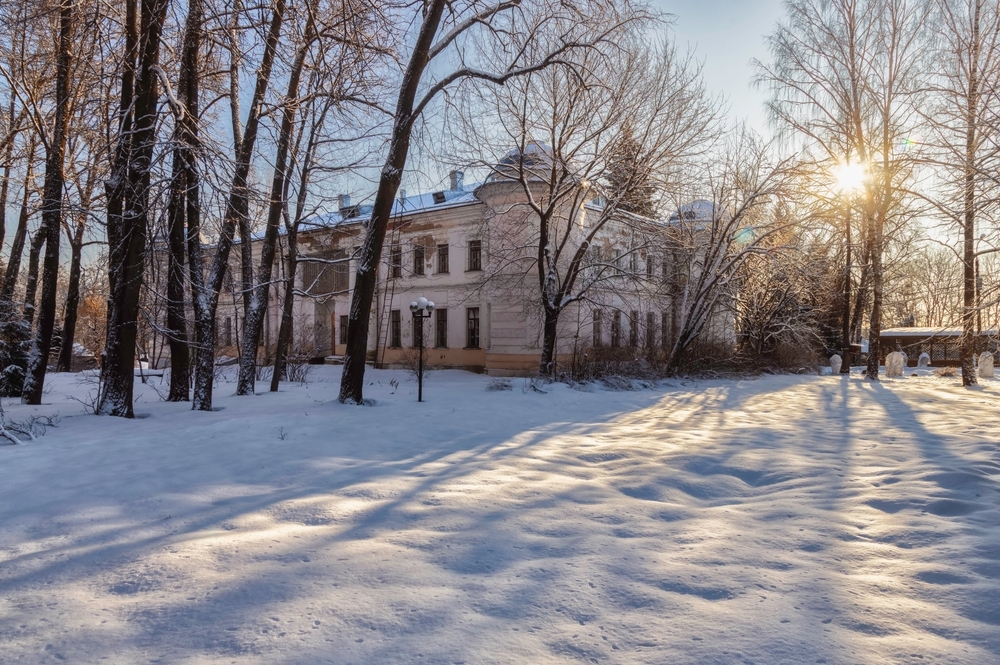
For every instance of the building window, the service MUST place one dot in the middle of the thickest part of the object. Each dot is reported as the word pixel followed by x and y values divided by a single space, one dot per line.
pixel 597 328
pixel 441 328
pixel 650 330
pixel 396 261
pixel 616 329
pixel 343 328
pixel 227 333
pixel 395 329
pixel 443 258
pixel 633 262
pixel 341 272
pixel 650 265
pixel 475 255
pixel 418 260
pixel 418 331
pixel 664 329
pixel 472 330
pixel 633 329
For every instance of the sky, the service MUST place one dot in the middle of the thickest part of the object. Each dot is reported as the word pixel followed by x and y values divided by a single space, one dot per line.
pixel 727 35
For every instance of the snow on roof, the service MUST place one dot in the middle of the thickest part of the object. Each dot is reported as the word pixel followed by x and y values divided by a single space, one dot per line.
pixel 433 200
pixel 929 332
pixel 534 153
pixel 536 161
pixel 697 210
pixel 402 205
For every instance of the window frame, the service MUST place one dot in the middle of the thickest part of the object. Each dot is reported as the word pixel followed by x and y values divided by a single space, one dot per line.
pixel 441 328
pixel 473 330
pixel 475 250
pixel 395 329
pixel 442 259
pixel 419 260
pixel 342 336
pixel 395 262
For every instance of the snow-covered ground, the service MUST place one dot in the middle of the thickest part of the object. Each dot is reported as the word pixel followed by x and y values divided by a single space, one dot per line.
pixel 788 519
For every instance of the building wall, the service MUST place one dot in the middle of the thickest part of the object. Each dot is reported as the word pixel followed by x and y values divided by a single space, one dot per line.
pixel 505 293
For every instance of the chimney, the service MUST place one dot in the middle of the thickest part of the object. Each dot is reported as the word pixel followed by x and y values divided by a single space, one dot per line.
pixel 343 201
pixel 402 196
pixel 456 178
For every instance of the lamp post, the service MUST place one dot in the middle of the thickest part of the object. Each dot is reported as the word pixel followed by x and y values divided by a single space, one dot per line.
pixel 421 309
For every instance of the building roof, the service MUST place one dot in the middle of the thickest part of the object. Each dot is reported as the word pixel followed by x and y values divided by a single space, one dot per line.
pixel 929 332
pixel 403 205
pixel 699 210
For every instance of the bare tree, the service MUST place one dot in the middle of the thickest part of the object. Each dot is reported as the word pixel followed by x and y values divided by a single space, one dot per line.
pixel 209 287
pixel 520 40
pixel 183 207
pixel 961 123
pixel 596 144
pixel 55 148
pixel 84 178
pixel 841 78
pixel 711 239
pixel 256 308
pixel 128 190
pixel 20 235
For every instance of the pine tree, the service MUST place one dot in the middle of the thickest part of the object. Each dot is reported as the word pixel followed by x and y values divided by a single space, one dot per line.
pixel 629 183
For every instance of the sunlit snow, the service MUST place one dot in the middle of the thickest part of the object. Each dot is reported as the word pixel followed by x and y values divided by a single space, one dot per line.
pixel 789 519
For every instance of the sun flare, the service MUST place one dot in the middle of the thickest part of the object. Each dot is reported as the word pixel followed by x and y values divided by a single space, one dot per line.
pixel 849 176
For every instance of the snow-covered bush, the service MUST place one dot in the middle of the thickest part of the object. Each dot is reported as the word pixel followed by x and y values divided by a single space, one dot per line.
pixel 498 384
pixel 15 341
pixel 535 384
pixel 616 382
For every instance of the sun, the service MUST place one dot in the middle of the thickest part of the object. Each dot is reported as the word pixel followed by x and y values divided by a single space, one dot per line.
pixel 849 176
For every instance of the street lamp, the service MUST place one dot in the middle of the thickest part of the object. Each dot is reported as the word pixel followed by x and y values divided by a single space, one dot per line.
pixel 421 309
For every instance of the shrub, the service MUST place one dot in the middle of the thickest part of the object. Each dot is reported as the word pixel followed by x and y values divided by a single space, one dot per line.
pixel 498 384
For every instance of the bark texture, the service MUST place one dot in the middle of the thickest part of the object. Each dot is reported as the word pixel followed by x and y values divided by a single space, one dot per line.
pixel 353 379
pixel 52 211
pixel 183 207
pixel 237 212
pixel 127 242
pixel 256 310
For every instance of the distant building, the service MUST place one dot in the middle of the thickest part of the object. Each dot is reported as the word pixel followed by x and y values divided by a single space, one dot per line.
pixel 460 247
pixel 943 345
